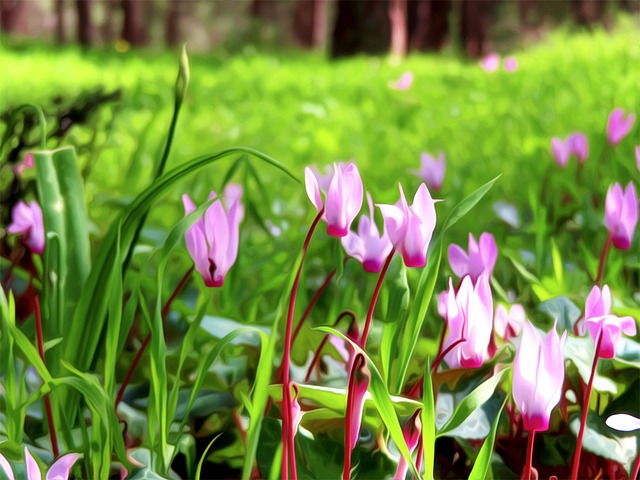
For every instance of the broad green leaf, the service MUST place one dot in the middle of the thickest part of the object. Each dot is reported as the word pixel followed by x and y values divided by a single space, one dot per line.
pixel 483 460
pixel 472 401
pixel 428 418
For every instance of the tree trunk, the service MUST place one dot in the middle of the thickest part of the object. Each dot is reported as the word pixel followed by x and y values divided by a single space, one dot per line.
pixel 263 9
pixel 588 12
pixel 172 24
pixel 130 21
pixel 362 26
pixel 474 19
pixel 84 22
pixel 9 15
pixel 320 22
pixel 60 21
pixel 398 18
pixel 303 22
pixel 429 24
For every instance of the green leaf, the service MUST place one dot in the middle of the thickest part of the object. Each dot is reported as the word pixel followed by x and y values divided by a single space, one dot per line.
pixel 428 419
pixel 472 401
pixel 461 209
pixel 483 460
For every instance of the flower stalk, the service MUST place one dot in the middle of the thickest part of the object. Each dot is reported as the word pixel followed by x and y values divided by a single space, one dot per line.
pixel 603 258
pixel 528 466
pixel 374 299
pixel 288 453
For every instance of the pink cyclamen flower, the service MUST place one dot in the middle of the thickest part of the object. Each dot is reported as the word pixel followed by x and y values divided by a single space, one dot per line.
pixel 621 214
pixel 509 324
pixel 58 471
pixel 469 317
pixel 403 83
pixel 618 127
pixel 599 321
pixel 638 157
pixel 490 63
pixel 27 220
pixel 410 227
pixel 538 376
pixel 213 240
pixel 561 151
pixel 481 257
pixel 432 170
pixel 20 168
pixel 579 146
pixel 343 197
pixel 510 64
pixel 368 246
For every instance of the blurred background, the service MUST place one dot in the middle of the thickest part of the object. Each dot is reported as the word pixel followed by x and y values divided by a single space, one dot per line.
pixel 339 27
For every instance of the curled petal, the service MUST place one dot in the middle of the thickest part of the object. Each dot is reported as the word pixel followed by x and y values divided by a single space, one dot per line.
pixel 6 467
pixel 61 468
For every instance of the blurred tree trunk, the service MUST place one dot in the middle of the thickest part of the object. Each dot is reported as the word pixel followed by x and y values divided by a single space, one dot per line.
pixel 9 15
pixel 361 26
pixel 398 18
pixel 107 32
pixel 588 12
pixel 130 29
pixel 428 24
pixel 310 22
pixel 263 9
pixel 474 19
pixel 83 9
pixel 60 21
pixel 172 24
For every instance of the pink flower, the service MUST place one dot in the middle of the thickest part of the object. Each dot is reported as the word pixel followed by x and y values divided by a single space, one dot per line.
pixel 343 197
pixel 575 144
pixel 213 240
pixel 599 321
pixel 509 324
pixel 538 376
pixel 410 227
pixel 638 157
pixel 27 220
pixel 403 83
pixel 621 214
pixel 579 146
pixel 359 378
pixel 432 170
pixel 411 432
pixel 58 471
pixel 490 63
pixel 20 168
pixel 470 318
pixel 368 246
pixel 510 64
pixel 618 127
pixel 481 257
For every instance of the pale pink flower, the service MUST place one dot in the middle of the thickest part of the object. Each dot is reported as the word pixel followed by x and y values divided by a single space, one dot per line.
pixel 432 169
pixel 343 197
pixel 621 214
pixel 490 63
pixel 58 471
pixel 213 240
pixel 410 227
pixel 509 324
pixel 538 376
pixel 510 64
pixel 618 127
pixel 27 221
pixel 403 83
pixel 368 246
pixel 27 163
pixel 600 322
pixel 638 157
pixel 469 317
pixel 481 257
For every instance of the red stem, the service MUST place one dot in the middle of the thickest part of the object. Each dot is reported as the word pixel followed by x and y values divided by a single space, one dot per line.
pixel 47 400
pixel 585 411
pixel 374 299
pixel 147 339
pixel 603 257
pixel 288 453
pixel 636 468
pixel 526 474
pixel 439 358
pixel 316 357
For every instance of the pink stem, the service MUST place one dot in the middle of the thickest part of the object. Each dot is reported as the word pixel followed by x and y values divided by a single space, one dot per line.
pixel 374 300
pixel 526 474
pixel 603 257
pixel 585 411
pixel 439 358
pixel 288 453
pixel 47 400
pixel 316 357
pixel 145 342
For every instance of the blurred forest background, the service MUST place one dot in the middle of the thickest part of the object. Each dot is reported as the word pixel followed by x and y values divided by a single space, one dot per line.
pixel 339 27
